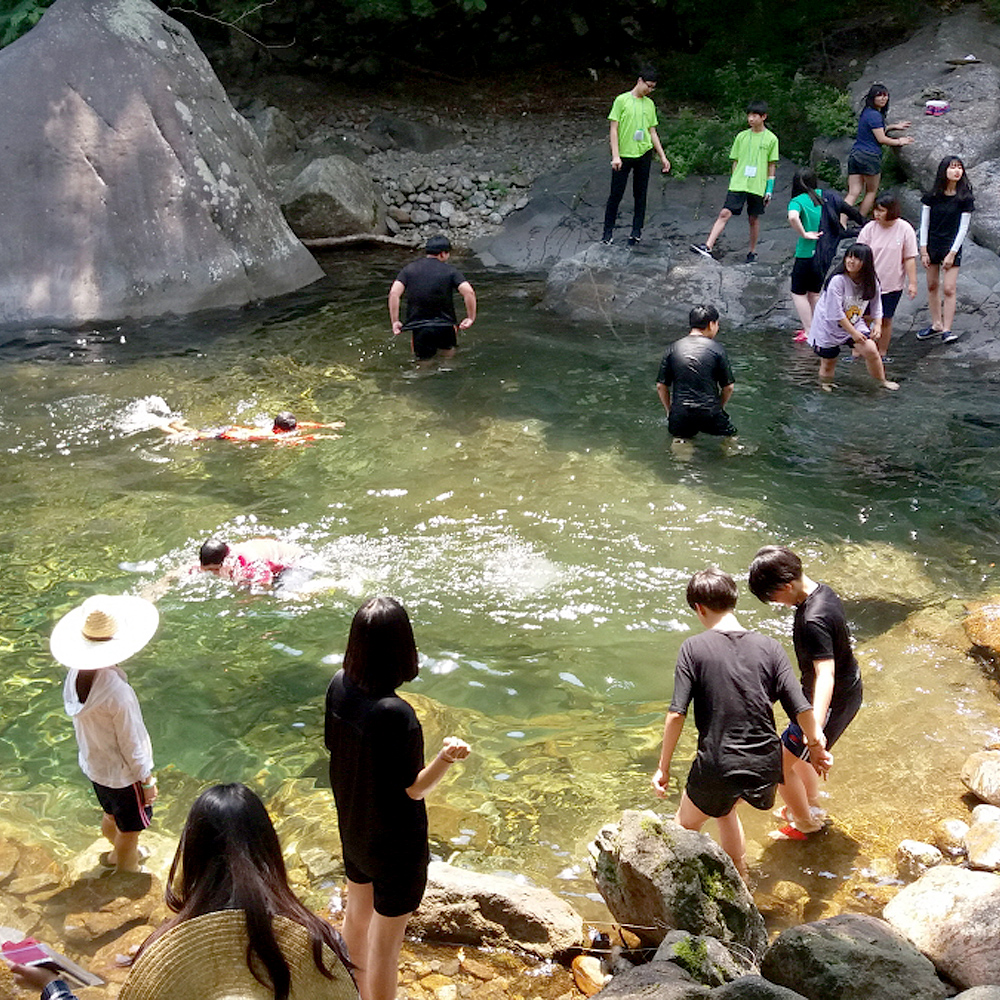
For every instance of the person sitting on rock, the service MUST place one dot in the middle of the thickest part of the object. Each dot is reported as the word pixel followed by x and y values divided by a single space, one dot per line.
pixel 285 430
pixel 734 677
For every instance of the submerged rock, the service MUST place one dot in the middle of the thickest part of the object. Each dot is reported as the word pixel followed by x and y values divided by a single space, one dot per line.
pixel 981 775
pixel 982 626
pixel 656 876
pixel 913 858
pixel 133 188
pixel 949 837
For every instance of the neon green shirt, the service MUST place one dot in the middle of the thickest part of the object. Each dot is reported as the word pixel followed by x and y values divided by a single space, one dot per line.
pixel 753 152
pixel 635 117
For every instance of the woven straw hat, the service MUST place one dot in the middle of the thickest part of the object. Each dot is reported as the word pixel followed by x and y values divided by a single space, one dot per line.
pixel 205 958
pixel 103 631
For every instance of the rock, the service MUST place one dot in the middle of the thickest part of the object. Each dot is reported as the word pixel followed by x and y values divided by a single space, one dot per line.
pixel 753 988
pixel 949 836
pixel 913 858
pixel 981 775
pixel 465 907
pixel 705 959
pixel 786 898
pixel 446 209
pixel 953 916
pixel 419 216
pixel 589 974
pixel 331 197
pixel 850 956
pixel 982 842
pixel 276 133
pixel 135 192
pixel 979 993
pixel 458 220
pixel 403 134
pixel 655 981
pixel 657 876
pixel 827 152
pixel 982 624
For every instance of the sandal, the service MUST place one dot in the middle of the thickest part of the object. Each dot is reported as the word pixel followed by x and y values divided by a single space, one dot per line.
pixel 788 832
pixel 143 852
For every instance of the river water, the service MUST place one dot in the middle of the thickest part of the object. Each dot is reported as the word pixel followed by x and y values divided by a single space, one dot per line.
pixel 526 507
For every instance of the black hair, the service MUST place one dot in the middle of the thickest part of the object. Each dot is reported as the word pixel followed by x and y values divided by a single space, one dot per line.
pixel 805 181
pixel 772 568
pixel 229 858
pixel 213 552
pixel 873 91
pixel 890 203
pixel 867 278
pixel 701 317
pixel 713 589
pixel 648 74
pixel 438 244
pixel 964 187
pixel 284 421
pixel 381 651
pixel 757 108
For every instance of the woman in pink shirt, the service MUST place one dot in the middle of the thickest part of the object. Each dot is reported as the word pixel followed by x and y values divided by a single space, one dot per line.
pixel 894 245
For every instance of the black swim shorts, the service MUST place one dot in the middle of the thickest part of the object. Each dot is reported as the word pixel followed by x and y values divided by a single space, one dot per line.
pixel 126 805
pixel 735 200
pixel 428 340
pixel 396 893
pixel 685 423
pixel 715 795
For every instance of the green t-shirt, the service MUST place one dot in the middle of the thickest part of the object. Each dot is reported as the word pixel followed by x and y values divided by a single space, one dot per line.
pixel 752 151
pixel 635 117
pixel 810 216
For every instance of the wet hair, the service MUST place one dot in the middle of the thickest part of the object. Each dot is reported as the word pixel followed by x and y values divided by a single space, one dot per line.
pixel 757 108
pixel 890 203
pixel 713 589
pixel 805 181
pixel 648 74
pixel 772 568
pixel 284 421
pixel 229 858
pixel 438 244
pixel 381 651
pixel 213 552
pixel 964 187
pixel 874 91
pixel 867 278
pixel 701 317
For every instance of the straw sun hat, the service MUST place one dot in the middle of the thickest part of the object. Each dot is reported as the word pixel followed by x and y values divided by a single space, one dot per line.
pixel 205 959
pixel 103 631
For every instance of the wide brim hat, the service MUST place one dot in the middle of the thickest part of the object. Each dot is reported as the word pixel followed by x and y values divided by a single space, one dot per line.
pixel 205 958
pixel 103 631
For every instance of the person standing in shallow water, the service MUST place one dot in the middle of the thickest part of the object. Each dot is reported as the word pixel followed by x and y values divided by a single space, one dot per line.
pixel 379 781
pixel 632 134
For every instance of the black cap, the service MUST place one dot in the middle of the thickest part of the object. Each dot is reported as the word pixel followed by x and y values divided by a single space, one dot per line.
pixel 438 244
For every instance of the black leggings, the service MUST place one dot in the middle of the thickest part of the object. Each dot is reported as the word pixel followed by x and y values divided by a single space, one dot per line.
pixel 638 166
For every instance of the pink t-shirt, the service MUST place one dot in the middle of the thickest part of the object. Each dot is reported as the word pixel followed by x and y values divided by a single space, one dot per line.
pixel 891 245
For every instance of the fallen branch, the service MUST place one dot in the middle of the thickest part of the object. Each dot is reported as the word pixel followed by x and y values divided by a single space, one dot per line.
pixel 339 241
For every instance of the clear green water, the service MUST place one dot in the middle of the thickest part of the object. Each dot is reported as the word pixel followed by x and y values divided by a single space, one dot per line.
pixel 527 509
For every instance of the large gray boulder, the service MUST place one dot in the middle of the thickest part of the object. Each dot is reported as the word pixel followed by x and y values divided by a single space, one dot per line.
pixel 706 959
pixel 654 981
pixel 953 916
pixel 465 907
pixel 132 186
pixel 332 196
pixel 850 956
pixel 753 988
pixel 656 876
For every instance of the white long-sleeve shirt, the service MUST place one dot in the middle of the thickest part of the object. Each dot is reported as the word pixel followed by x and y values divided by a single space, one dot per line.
pixel 115 749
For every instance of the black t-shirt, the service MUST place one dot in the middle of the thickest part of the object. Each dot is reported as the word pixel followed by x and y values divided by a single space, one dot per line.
pixel 820 632
pixel 734 679
pixel 946 213
pixel 695 368
pixel 376 752
pixel 430 284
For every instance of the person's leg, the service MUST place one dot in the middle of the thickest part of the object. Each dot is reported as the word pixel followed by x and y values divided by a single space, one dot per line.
pixel 357 919
pixel 795 793
pixel 126 852
pixel 720 223
pixel 886 338
pixel 855 185
pixel 933 273
pixel 873 360
pixel 871 190
pixel 619 179
pixel 110 831
pixel 754 221
pixel 827 367
pixel 385 939
pixel 689 815
pixel 733 841
pixel 640 185
pixel 949 285
pixel 804 309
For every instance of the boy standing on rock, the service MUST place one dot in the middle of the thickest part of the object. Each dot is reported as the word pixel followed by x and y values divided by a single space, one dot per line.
pixel 755 159
pixel 633 138
pixel 734 678
pixel 830 677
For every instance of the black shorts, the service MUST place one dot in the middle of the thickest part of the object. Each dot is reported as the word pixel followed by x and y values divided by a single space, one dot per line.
pixel 865 164
pixel 806 276
pixel 126 805
pixel 396 894
pixel 715 795
pixel 938 252
pixel 428 340
pixel 829 352
pixel 890 300
pixel 837 720
pixel 735 200
pixel 684 423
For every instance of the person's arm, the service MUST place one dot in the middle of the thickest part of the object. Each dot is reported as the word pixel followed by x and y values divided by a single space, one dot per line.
pixel 897 125
pixel 453 749
pixel 925 225
pixel 616 160
pixel 823 687
pixel 910 266
pixel 726 393
pixel 469 298
pixel 963 228
pixel 34 977
pixel 659 151
pixel 672 726
pixel 853 213
pixel 663 391
pixel 886 140
pixel 134 743
pixel 819 757
pixel 772 172
pixel 795 221
pixel 395 296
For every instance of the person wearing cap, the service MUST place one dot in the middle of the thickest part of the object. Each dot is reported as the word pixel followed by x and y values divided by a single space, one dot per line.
pixel 429 285
pixel 115 749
